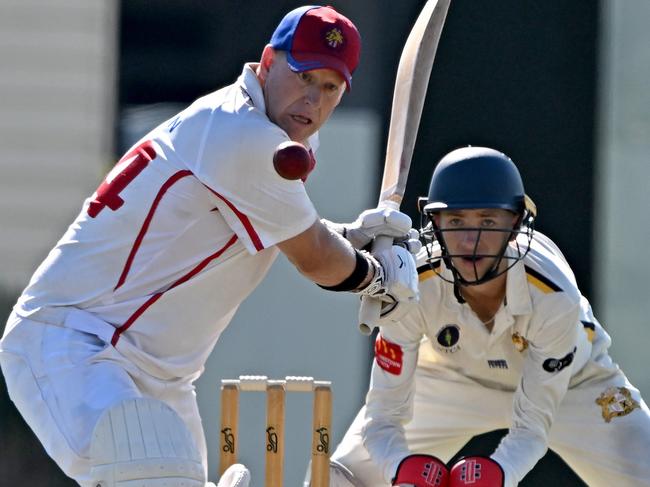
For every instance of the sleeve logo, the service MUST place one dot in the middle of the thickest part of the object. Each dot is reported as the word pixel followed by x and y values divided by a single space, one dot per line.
pixel 557 364
pixel 389 356
pixel 615 402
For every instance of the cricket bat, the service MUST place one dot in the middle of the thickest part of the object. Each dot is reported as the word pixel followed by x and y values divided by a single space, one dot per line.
pixel 408 99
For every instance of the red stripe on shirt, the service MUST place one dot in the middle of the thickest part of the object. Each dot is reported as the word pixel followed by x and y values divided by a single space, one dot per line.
pixel 147 221
pixel 252 234
pixel 157 296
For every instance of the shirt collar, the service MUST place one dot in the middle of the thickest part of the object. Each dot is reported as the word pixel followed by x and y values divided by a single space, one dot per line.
pixel 517 294
pixel 250 83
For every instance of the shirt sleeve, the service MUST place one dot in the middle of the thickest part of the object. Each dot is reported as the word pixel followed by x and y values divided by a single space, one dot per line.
pixel 545 378
pixel 232 154
pixel 389 403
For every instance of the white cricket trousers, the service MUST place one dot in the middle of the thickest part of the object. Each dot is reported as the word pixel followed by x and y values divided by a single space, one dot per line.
pixel 448 414
pixel 61 380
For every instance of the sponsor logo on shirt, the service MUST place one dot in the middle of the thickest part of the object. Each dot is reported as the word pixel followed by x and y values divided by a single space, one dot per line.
pixel 557 364
pixel 497 364
pixel 173 124
pixel 447 339
pixel 388 355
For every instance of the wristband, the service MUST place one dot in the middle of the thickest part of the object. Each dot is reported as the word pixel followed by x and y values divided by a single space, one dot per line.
pixel 354 280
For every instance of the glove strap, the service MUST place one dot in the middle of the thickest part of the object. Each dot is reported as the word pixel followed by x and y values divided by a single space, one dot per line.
pixel 476 472
pixel 422 471
pixel 376 286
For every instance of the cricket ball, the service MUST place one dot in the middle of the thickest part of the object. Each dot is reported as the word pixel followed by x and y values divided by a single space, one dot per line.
pixel 291 160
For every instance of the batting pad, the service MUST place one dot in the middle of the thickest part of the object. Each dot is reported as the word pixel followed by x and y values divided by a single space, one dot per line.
pixel 143 442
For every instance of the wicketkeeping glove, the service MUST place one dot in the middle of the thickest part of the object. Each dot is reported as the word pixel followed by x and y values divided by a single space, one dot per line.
pixel 379 222
pixel 421 471
pixel 476 471
pixel 395 278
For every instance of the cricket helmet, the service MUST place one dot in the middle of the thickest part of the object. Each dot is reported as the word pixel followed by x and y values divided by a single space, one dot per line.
pixel 477 178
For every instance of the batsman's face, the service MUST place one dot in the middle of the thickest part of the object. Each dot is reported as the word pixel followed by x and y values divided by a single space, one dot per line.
pixel 475 238
pixel 299 103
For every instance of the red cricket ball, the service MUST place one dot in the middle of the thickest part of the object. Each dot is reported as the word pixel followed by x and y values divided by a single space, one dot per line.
pixel 291 160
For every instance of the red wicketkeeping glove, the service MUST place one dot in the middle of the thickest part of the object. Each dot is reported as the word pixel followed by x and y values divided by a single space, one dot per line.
pixel 476 472
pixel 422 471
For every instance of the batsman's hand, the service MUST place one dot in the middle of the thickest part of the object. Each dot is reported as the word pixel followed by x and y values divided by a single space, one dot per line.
pixel 376 222
pixel 395 277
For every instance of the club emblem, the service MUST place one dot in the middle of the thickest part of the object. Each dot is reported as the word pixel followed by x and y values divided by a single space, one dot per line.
pixel 520 342
pixel 616 401
pixel 334 37
pixel 448 338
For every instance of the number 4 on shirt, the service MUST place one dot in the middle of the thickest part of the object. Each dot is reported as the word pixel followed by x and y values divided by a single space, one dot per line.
pixel 125 171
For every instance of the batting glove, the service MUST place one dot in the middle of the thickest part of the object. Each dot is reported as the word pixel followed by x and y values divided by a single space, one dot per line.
pixel 395 277
pixel 379 222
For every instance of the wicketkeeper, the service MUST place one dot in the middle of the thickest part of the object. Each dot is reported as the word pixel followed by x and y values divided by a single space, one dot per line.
pixel 501 338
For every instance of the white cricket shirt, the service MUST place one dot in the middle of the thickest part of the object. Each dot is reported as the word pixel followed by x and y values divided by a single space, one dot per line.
pixel 545 338
pixel 178 234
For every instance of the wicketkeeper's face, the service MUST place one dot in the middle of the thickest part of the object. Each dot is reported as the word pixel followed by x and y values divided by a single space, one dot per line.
pixel 475 238
pixel 300 103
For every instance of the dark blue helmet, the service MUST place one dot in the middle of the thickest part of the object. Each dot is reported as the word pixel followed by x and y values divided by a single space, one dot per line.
pixel 476 178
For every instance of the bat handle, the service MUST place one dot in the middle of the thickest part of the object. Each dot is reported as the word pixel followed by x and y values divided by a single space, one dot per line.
pixel 370 309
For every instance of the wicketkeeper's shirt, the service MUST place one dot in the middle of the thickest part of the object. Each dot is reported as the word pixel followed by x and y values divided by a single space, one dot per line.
pixel 545 332
pixel 178 234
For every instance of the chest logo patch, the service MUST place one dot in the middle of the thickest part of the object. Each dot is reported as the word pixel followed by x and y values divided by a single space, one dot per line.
pixel 520 342
pixel 498 364
pixel 616 401
pixel 448 338
pixel 557 364
pixel 389 356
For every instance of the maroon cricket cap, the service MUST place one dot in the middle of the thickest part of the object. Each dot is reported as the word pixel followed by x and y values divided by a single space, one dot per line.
pixel 316 37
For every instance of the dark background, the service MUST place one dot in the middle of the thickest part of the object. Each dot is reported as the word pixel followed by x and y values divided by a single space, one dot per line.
pixel 516 75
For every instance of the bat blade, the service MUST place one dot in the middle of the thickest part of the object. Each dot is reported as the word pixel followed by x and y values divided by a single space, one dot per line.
pixel 411 85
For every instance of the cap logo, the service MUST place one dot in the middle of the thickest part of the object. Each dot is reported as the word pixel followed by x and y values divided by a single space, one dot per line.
pixel 334 37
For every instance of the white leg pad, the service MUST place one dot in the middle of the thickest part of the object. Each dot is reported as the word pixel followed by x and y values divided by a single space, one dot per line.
pixel 236 475
pixel 339 476
pixel 144 443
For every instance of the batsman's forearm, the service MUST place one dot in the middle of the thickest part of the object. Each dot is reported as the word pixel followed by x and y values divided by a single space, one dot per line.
pixel 321 255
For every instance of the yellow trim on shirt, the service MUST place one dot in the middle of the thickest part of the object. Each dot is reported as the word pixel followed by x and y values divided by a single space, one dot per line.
pixel 423 276
pixel 545 288
pixel 590 330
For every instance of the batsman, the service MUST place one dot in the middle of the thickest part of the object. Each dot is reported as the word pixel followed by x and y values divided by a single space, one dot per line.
pixel 102 349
